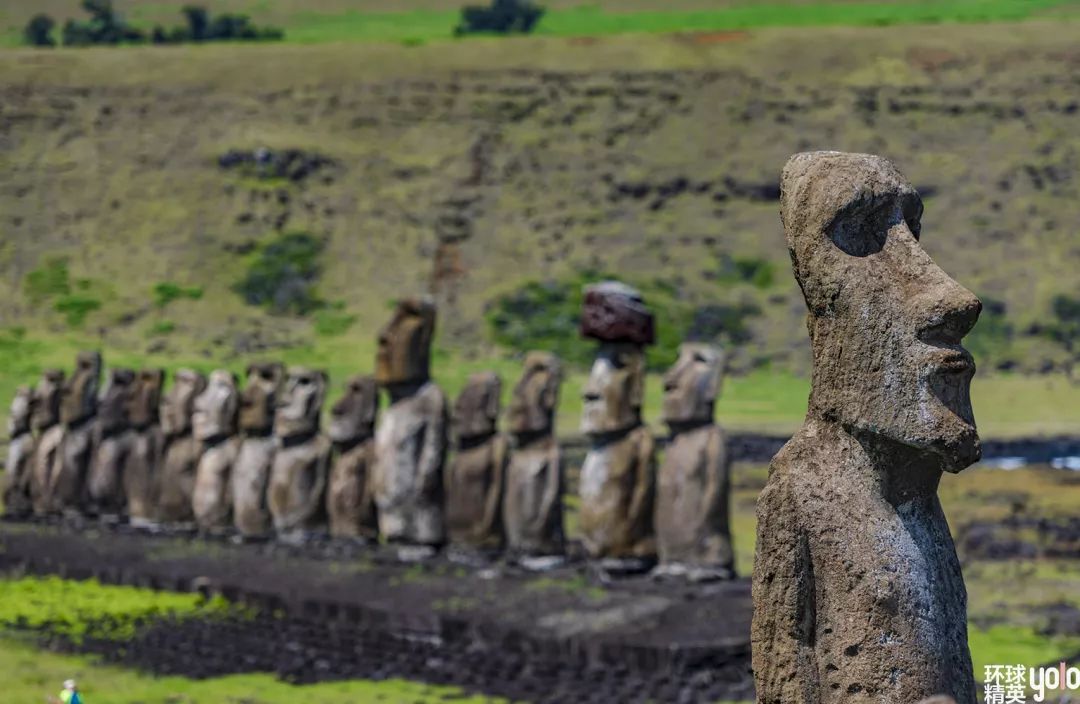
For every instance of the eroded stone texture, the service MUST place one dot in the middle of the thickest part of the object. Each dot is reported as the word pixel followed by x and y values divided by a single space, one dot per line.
pixel 142 470
pixel 180 457
pixel 214 425
pixel 410 442
pixel 112 442
pixel 858 594
pixel 20 454
pixel 474 478
pixel 349 502
pixel 45 420
pixel 532 498
pixel 78 405
pixel 297 493
pixel 692 494
pixel 251 473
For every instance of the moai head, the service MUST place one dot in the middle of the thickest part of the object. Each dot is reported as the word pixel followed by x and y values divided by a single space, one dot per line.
pixel 146 398
pixel 22 406
pixel 79 399
pixel 692 385
pixel 352 418
pixel 405 343
pixel 46 403
pixel 613 394
pixel 260 397
pixel 885 321
pixel 476 411
pixel 301 403
pixel 536 396
pixel 112 413
pixel 215 409
pixel 178 405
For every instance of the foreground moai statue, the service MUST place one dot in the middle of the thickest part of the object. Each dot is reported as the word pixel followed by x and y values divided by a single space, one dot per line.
pixel 474 478
pixel 143 465
pixel 78 406
pixel 214 425
pixel 618 477
pixel 20 454
pixel 45 420
pixel 181 452
pixel 297 491
pixel 350 505
pixel 251 473
pixel 532 501
pixel 692 490
pixel 858 595
pixel 410 442
pixel 112 442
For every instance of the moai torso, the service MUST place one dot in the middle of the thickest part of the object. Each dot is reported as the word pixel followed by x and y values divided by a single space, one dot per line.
pixel 302 462
pixel 104 487
pixel 532 500
pixel 858 594
pixel 214 425
pixel 78 405
pixel 20 454
pixel 474 477
pixel 255 457
pixel 45 420
pixel 142 469
pixel 350 505
pixel 181 451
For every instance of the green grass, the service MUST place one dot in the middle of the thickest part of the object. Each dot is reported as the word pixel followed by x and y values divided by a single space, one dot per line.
pixel 1008 645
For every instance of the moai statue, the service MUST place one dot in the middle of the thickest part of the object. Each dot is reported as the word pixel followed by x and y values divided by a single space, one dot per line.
pixel 20 454
pixel 410 442
pixel 181 452
pixel 618 478
pixel 45 421
pixel 858 595
pixel 532 497
pixel 78 406
pixel 251 473
pixel 214 425
pixel 474 478
pixel 350 505
pixel 112 442
pixel 693 534
pixel 143 466
pixel 297 494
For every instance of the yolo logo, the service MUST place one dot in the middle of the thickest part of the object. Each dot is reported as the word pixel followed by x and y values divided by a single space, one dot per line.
pixel 1009 684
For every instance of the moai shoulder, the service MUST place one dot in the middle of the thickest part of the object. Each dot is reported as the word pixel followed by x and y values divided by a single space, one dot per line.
pixel 181 451
pixel 301 466
pixel 350 505
pixel 142 467
pixel 18 466
pixel 214 425
pixel 251 473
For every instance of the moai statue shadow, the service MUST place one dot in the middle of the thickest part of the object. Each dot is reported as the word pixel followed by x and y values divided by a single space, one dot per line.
pixel 251 473
pixel 858 594
pixel 297 492
pixel 49 432
pixel 533 493
pixel 693 534
pixel 181 452
pixel 78 406
pixel 214 424
pixel 474 477
pixel 18 467
pixel 410 441
pixel 112 442
pixel 142 468
pixel 350 505
pixel 617 486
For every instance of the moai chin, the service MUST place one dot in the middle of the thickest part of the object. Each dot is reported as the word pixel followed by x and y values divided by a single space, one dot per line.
pixel 297 491
pixel 45 422
pixel 692 493
pixel 20 454
pixel 410 442
pixel 474 478
pixel 214 426
pixel 181 450
pixel 251 473
pixel 618 478
pixel 78 405
pixel 142 469
pixel 532 499
pixel 112 442
pixel 350 505
pixel 858 594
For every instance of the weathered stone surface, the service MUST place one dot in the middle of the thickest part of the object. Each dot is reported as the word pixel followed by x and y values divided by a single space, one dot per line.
pixel 615 312
pixel 532 500
pixel 180 457
pixel 474 477
pixel 404 353
pixel 214 425
pixel 297 492
pixel 20 454
pixel 142 470
pixel 112 442
pixel 858 594
pixel 251 473
pixel 45 420
pixel 350 505
pixel 78 404
pixel 692 494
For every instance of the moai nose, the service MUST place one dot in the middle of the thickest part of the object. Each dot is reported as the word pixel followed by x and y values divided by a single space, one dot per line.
pixel 950 313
